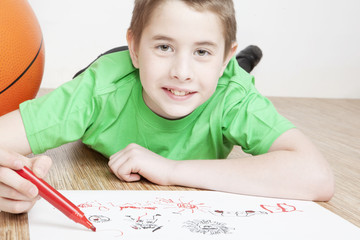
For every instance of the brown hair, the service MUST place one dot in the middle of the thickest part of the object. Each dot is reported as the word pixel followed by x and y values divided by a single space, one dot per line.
pixel 224 9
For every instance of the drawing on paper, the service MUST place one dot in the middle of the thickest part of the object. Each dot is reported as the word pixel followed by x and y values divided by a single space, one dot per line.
pixel 160 214
pixel 246 213
pixel 145 222
pixel 98 219
pixel 279 208
pixel 144 214
pixel 178 206
pixel 183 206
pixel 207 227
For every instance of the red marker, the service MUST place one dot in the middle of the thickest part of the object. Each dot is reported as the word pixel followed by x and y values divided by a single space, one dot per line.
pixel 56 199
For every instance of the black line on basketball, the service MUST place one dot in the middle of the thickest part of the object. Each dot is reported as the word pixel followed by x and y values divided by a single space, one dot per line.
pixel 17 79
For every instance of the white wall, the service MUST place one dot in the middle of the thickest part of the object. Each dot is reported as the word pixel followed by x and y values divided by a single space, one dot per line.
pixel 311 47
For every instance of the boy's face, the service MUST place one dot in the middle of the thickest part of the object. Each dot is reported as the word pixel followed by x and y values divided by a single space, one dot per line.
pixel 180 58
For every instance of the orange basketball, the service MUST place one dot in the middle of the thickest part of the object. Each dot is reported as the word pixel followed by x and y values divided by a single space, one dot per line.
pixel 21 54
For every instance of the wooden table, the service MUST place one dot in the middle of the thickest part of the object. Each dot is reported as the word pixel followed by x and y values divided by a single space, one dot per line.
pixel 332 124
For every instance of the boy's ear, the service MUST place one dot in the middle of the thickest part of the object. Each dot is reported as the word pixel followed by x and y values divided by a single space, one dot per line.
pixel 230 54
pixel 132 48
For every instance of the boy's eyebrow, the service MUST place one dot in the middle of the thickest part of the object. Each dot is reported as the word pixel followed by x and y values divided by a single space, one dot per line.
pixel 207 43
pixel 166 38
pixel 162 37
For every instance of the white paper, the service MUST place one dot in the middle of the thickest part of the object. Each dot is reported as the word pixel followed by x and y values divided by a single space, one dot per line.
pixel 188 215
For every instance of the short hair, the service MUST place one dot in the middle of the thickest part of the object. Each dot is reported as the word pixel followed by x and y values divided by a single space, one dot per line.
pixel 224 9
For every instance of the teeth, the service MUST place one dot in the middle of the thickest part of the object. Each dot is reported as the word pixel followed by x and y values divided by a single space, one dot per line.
pixel 178 93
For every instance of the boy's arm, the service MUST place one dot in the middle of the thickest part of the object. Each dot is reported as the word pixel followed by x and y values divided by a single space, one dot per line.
pixel 12 133
pixel 293 168
pixel 17 195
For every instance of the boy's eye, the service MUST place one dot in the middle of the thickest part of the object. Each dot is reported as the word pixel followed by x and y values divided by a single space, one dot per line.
pixel 164 48
pixel 201 52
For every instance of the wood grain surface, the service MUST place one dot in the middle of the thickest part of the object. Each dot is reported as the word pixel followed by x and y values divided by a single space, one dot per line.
pixel 332 124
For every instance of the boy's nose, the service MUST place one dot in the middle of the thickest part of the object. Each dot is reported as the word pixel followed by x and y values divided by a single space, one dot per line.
pixel 181 68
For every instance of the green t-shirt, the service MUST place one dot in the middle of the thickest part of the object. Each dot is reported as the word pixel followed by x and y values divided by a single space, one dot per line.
pixel 103 107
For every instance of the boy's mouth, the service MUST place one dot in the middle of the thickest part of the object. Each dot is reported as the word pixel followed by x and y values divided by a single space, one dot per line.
pixel 178 92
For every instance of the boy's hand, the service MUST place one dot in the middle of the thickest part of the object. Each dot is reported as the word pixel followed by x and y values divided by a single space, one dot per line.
pixel 18 195
pixel 135 161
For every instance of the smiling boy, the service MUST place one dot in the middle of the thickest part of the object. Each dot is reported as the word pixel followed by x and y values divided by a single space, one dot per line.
pixel 170 110
pixel 180 56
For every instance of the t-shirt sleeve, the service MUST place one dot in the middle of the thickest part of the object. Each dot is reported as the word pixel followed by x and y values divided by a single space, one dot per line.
pixel 254 124
pixel 61 116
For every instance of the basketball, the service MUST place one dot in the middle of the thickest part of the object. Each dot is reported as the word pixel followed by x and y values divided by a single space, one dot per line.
pixel 21 54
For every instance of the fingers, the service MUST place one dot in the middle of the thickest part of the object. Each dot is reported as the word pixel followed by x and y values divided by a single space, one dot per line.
pixel 13 180
pixel 116 157
pixel 127 172
pixel 123 166
pixel 10 193
pixel 17 195
pixel 14 206
pixel 116 160
pixel 124 170
pixel 11 159
pixel 128 150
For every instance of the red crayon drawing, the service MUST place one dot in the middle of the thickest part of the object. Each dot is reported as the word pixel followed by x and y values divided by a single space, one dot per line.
pixel 110 205
pixel 169 203
pixel 135 207
pixel 187 205
pixel 84 205
pixel 279 208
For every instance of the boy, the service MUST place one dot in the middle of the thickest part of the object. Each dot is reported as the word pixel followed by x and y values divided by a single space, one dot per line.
pixel 177 94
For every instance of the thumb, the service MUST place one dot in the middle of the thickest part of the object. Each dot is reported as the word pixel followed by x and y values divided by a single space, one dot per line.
pixel 40 165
